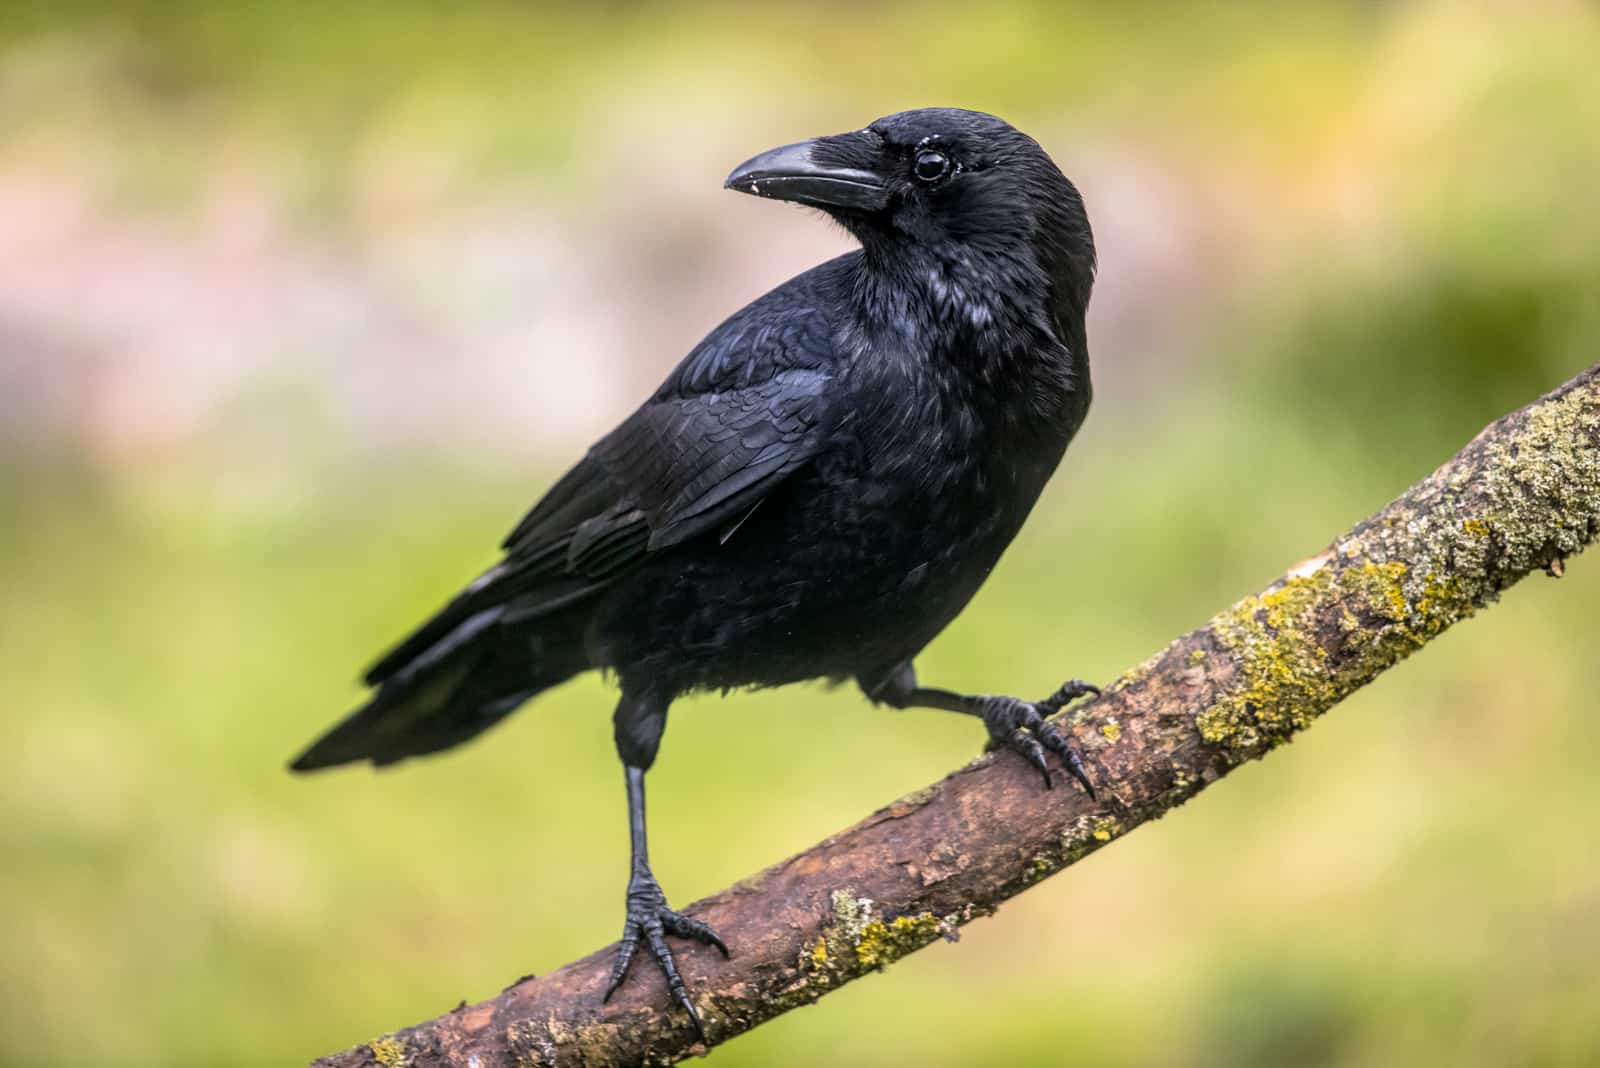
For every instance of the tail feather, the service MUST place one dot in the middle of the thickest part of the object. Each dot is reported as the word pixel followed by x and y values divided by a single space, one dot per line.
pixel 498 591
pixel 387 727
pixel 456 687
pixel 469 604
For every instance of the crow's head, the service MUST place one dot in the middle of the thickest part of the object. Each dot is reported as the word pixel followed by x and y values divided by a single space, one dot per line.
pixel 959 188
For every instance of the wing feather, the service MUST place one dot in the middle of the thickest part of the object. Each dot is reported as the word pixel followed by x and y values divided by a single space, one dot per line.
pixel 745 410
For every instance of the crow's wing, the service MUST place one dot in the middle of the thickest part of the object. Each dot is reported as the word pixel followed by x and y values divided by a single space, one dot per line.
pixel 742 412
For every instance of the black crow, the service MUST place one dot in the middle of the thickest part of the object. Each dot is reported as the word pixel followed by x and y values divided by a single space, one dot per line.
pixel 816 491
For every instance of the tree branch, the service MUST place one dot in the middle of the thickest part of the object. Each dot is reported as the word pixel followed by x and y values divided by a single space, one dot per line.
pixel 1520 497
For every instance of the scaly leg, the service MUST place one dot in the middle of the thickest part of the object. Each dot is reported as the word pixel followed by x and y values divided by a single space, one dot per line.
pixel 639 722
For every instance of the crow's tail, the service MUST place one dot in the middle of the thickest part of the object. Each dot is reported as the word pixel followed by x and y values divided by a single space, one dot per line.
pixel 459 685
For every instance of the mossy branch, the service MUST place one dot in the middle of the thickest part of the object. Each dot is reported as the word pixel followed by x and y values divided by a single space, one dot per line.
pixel 1519 498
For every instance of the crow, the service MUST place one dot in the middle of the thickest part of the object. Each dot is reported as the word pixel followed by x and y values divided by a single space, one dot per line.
pixel 816 491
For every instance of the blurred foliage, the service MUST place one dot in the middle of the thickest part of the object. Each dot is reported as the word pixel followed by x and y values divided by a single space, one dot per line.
pixel 1410 885
pixel 1481 273
pixel 322 94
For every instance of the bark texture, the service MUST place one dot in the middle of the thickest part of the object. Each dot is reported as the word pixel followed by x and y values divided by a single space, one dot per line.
pixel 1519 498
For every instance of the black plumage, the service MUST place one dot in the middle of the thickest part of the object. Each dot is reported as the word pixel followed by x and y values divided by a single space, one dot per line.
pixel 816 491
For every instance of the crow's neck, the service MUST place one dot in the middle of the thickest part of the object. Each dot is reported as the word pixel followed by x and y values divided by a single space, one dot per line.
pixel 1000 322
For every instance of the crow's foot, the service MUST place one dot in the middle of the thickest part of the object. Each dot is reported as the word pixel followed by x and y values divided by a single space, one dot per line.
pixel 1021 726
pixel 649 919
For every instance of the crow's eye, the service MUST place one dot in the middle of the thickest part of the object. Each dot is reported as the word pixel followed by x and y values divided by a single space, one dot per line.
pixel 931 165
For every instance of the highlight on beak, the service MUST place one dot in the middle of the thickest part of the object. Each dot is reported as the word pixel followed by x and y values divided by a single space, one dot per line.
pixel 792 173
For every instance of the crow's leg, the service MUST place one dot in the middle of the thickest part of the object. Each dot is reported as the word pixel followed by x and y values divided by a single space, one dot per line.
pixel 638 722
pixel 1012 722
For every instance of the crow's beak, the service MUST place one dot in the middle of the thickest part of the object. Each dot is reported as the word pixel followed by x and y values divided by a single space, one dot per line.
pixel 793 173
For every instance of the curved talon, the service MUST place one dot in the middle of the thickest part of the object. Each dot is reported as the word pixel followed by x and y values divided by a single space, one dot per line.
pixel 625 951
pixel 1028 745
pixel 656 936
pixel 1057 743
pixel 689 927
pixel 1067 693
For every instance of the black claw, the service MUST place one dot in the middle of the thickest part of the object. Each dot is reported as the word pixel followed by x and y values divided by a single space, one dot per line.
pixel 694 1017
pixel 675 983
pixel 654 934
pixel 1075 766
pixel 1067 693
pixel 689 927
pixel 1028 745
pixel 625 951
pixel 1057 743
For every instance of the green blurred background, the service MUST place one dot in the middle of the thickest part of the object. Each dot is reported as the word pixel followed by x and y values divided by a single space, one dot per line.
pixel 301 304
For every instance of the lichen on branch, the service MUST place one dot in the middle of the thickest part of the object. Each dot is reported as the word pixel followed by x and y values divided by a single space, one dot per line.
pixel 1523 496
